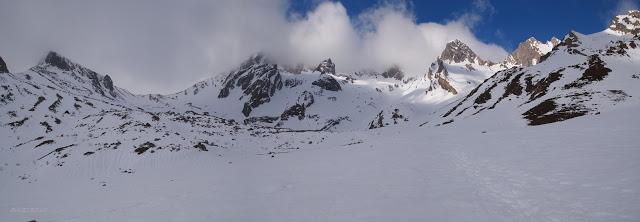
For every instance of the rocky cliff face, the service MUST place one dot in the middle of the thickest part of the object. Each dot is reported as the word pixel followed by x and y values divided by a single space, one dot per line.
pixel 627 23
pixel 438 76
pixel 258 80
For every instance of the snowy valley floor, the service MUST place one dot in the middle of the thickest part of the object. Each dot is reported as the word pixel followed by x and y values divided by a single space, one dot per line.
pixel 586 169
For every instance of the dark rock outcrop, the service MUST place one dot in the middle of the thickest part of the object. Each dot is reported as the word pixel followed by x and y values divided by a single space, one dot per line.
pixel 596 71
pixel 378 121
pixel 326 66
pixel 258 80
pixel 306 99
pixel 107 82
pixel 327 83
pixel 296 110
pixel 57 60
pixel 393 72
pixel 3 66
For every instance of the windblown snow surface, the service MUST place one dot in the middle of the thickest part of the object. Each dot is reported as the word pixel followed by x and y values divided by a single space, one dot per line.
pixel 577 171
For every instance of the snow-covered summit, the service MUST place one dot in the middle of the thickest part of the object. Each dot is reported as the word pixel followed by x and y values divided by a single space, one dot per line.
pixel 628 23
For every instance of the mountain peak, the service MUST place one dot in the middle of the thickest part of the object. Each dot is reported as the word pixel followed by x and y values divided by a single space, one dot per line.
pixel 628 23
pixel 57 60
pixel 257 58
pixel 326 66
pixel 529 52
pixel 3 66
pixel 457 52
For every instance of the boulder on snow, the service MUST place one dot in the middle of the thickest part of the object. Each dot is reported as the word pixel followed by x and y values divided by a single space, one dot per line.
pixel 327 83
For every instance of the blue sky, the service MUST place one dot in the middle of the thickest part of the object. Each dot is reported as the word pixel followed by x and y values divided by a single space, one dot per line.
pixel 507 22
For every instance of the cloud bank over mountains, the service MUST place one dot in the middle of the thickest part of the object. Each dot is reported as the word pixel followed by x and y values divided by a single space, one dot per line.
pixel 165 46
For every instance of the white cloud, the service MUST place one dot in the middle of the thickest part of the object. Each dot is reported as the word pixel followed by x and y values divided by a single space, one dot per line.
pixel 625 5
pixel 164 46
pixel 479 10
